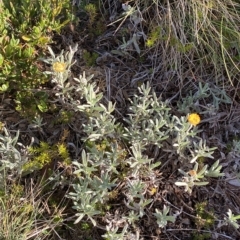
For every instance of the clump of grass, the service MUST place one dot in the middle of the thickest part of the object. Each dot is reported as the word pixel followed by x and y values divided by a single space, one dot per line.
pixel 23 216
pixel 201 36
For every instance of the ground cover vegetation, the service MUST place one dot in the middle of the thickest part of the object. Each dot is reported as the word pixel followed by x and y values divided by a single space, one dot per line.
pixel 119 120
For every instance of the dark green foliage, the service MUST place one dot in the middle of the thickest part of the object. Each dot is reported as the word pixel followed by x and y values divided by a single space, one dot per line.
pixel 26 28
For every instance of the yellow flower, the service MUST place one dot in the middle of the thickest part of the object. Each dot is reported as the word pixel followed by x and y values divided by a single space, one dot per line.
pixel 192 173
pixel 152 190
pixel 194 119
pixel 59 67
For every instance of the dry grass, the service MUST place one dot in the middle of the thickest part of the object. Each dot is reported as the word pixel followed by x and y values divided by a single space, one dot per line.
pixel 26 213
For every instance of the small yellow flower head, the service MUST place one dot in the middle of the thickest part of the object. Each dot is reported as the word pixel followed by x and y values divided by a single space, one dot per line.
pixel 59 67
pixel 192 173
pixel 152 191
pixel 194 119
